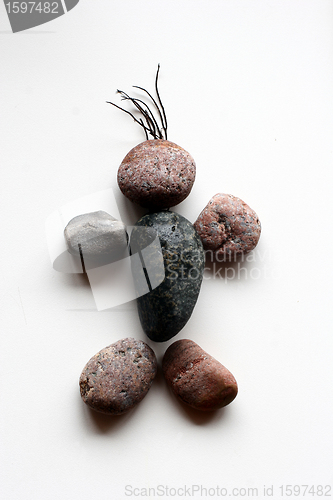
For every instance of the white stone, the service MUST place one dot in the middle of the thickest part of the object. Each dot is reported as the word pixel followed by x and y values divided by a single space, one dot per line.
pixel 96 234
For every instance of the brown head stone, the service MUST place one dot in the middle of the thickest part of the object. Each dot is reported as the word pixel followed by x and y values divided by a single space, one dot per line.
pixel 157 174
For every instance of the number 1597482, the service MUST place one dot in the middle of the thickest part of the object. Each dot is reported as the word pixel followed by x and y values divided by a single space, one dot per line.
pixel 30 7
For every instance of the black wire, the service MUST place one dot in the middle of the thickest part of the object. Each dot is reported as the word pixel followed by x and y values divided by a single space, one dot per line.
pixel 151 127
pixel 129 113
pixel 165 124
pixel 149 117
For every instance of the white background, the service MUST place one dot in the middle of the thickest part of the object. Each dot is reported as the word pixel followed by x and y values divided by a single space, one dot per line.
pixel 247 86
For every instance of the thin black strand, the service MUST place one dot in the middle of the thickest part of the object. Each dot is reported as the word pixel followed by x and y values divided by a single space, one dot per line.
pixel 149 113
pixel 149 117
pixel 148 121
pixel 161 111
pixel 155 104
pixel 141 121
pixel 129 113
pixel 165 123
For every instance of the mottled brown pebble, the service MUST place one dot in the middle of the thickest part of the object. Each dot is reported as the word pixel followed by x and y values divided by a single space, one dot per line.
pixel 118 377
pixel 228 227
pixel 157 174
pixel 196 378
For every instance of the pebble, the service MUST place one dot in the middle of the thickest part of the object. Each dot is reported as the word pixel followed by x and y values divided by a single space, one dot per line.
pixel 98 234
pixel 118 377
pixel 196 378
pixel 157 174
pixel 228 227
pixel 165 310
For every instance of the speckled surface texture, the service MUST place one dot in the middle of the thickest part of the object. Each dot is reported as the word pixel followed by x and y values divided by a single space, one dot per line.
pixel 228 227
pixel 196 378
pixel 165 310
pixel 97 233
pixel 118 377
pixel 157 174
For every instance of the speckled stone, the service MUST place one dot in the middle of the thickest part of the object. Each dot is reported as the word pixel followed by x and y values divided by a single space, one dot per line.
pixel 165 310
pixel 157 174
pixel 228 227
pixel 98 234
pixel 118 377
pixel 196 378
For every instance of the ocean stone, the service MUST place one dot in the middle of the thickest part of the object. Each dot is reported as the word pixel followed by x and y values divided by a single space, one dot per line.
pixel 165 310
pixel 157 174
pixel 118 377
pixel 196 378
pixel 228 227
pixel 96 235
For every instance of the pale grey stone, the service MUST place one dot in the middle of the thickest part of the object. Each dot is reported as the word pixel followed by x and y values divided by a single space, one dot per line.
pixel 95 235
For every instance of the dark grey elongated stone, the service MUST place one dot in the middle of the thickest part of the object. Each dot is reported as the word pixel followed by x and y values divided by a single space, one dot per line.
pixel 165 310
pixel 96 235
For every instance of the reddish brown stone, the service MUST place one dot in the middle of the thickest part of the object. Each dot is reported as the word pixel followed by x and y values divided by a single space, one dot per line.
pixel 157 174
pixel 196 378
pixel 228 227
pixel 118 377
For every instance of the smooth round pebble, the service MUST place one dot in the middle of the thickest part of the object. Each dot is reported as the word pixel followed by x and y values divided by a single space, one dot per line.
pixel 228 227
pixel 118 377
pixel 157 174
pixel 196 378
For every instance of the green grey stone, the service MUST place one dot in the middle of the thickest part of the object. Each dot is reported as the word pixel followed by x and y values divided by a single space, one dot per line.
pixel 165 310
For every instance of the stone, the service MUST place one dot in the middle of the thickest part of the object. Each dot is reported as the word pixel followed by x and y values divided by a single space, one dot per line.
pixel 165 310
pixel 96 235
pixel 196 378
pixel 228 227
pixel 157 174
pixel 118 377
